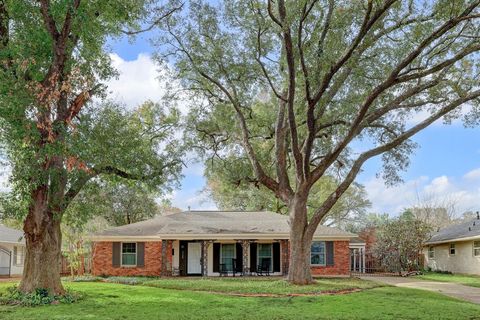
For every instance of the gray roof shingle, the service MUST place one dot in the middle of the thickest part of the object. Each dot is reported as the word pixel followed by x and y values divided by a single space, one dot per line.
pixel 11 235
pixel 467 229
pixel 214 223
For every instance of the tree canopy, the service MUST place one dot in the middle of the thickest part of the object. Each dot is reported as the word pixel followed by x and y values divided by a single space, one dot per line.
pixel 317 88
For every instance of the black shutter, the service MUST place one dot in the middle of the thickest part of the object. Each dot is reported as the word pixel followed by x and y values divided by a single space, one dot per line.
pixel 216 257
pixel 253 257
pixel 330 253
pixel 276 256
pixel 140 254
pixel 116 254
pixel 239 257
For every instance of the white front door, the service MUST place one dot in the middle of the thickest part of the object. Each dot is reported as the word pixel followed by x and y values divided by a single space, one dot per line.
pixel 194 257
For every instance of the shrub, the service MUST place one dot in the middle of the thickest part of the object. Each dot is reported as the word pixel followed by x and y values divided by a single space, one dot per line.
pixel 41 296
pixel 129 280
pixel 85 278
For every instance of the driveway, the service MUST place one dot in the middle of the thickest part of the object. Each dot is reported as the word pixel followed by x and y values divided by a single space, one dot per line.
pixel 454 290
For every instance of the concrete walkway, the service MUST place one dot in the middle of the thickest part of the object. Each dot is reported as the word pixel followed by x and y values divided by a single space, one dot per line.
pixel 450 289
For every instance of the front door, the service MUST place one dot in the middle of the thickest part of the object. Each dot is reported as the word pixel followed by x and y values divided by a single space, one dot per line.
pixel 194 253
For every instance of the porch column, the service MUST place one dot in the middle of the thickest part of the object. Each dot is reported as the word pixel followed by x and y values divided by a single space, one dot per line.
pixel 246 254
pixel 285 255
pixel 205 245
pixel 166 258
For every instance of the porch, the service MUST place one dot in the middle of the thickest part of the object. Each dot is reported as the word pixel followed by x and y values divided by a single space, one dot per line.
pixel 225 257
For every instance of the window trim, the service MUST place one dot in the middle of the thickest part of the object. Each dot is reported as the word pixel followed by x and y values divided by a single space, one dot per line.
pixel 136 256
pixel 454 249
pixel 324 254
pixel 431 252
pixel 16 255
pixel 234 251
pixel 476 248
pixel 271 254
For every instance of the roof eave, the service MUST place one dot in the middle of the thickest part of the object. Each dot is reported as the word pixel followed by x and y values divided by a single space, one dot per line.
pixel 244 236
pixel 454 240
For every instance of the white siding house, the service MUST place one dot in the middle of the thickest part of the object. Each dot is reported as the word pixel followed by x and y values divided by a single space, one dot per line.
pixel 455 248
pixel 12 252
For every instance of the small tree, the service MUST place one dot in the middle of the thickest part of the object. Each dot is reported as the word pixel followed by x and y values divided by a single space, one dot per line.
pixel 400 242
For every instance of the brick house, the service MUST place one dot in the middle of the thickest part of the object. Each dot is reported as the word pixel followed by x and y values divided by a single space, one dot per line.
pixel 213 243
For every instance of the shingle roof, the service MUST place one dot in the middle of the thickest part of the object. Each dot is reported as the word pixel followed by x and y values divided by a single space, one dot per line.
pixel 210 224
pixel 463 230
pixel 11 235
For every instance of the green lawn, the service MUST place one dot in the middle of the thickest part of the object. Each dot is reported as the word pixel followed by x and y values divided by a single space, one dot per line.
pixel 275 286
pixel 473 281
pixel 115 301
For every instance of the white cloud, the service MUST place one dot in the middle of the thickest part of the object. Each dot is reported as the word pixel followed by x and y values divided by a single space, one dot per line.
pixel 464 191
pixel 472 175
pixel 140 80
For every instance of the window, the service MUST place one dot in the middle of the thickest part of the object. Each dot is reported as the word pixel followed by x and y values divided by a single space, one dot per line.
pixel 431 252
pixel 265 252
pixel 18 256
pixel 317 253
pixel 227 254
pixel 452 249
pixel 129 254
pixel 476 248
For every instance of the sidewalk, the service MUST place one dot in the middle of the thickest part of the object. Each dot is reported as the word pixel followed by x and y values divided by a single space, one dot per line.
pixel 450 289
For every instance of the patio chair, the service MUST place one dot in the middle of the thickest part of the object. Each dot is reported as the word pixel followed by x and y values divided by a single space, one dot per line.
pixel 264 267
pixel 236 268
pixel 223 270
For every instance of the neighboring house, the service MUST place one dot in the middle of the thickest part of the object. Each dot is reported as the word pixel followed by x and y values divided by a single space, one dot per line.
pixel 209 243
pixel 12 251
pixel 455 248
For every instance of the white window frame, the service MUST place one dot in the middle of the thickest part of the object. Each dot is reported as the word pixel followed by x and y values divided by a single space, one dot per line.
pixel 271 254
pixel 476 246
pixel 454 247
pixel 324 254
pixel 121 255
pixel 431 252
pixel 20 252
pixel 234 252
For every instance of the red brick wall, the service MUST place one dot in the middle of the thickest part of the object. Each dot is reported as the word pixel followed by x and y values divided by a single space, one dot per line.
pixel 341 259
pixel 102 261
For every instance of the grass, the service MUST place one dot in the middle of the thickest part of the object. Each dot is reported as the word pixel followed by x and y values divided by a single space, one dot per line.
pixel 468 280
pixel 109 301
pixel 275 286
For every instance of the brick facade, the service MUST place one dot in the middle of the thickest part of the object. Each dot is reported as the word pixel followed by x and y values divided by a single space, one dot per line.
pixel 102 261
pixel 341 261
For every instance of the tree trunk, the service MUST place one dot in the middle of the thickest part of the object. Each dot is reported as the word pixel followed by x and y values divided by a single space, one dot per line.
pixel 299 264
pixel 43 254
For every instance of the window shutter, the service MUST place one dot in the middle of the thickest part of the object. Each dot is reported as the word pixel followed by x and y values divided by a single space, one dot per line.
pixel 239 257
pixel 253 257
pixel 276 256
pixel 329 247
pixel 15 252
pixel 216 257
pixel 140 254
pixel 116 254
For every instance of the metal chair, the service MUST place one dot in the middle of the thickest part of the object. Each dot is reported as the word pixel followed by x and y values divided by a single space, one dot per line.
pixel 264 267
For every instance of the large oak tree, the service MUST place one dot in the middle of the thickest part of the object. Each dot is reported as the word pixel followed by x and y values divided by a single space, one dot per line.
pixel 52 62
pixel 324 86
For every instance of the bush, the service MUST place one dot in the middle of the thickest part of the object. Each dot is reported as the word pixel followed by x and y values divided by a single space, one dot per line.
pixel 13 296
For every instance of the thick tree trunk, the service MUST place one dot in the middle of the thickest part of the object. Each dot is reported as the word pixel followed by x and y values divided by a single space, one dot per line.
pixel 43 254
pixel 299 264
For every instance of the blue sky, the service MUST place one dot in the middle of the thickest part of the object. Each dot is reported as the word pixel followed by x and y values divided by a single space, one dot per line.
pixel 446 165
